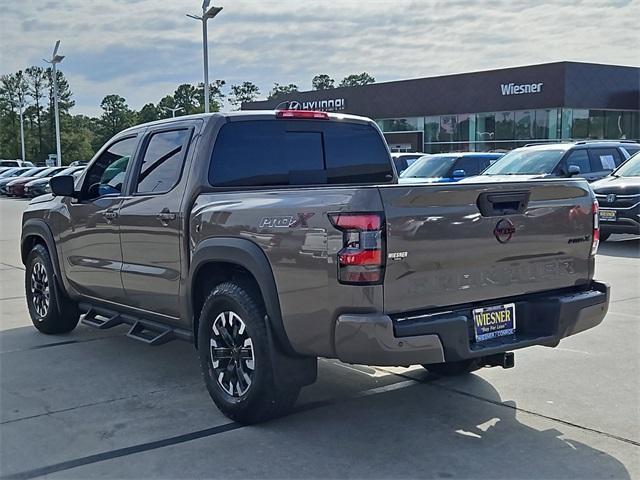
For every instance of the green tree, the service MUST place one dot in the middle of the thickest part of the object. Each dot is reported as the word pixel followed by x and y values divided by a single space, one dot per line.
pixel 279 90
pixel 357 80
pixel 37 80
pixel 322 82
pixel 186 97
pixel 13 90
pixel 79 138
pixel 116 116
pixel 148 113
pixel 216 96
pixel 245 92
pixel 165 105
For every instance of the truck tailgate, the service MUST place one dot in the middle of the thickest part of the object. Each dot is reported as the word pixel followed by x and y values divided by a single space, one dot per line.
pixel 469 242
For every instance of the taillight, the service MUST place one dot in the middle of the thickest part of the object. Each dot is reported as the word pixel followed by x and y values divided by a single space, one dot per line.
pixel 596 228
pixel 309 114
pixel 361 260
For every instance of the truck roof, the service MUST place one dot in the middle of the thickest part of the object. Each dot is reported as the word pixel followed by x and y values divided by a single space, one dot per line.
pixel 244 114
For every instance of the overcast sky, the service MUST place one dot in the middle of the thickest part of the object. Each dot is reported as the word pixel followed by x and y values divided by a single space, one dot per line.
pixel 142 49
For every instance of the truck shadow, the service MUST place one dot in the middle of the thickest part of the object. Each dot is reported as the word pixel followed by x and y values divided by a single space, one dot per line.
pixel 354 421
pixel 626 246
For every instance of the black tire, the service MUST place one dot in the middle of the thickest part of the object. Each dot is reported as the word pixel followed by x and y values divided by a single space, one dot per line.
pixel 265 396
pixel 451 369
pixel 50 309
pixel 604 236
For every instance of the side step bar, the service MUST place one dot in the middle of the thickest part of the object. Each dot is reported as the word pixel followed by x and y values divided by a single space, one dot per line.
pixel 142 329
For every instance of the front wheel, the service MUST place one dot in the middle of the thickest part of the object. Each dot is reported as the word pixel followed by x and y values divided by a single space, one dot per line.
pixel 237 356
pixel 50 313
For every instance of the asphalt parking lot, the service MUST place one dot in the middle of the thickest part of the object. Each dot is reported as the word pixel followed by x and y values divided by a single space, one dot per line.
pixel 97 404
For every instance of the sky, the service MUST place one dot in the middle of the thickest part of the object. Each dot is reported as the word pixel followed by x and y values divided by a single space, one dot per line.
pixel 143 49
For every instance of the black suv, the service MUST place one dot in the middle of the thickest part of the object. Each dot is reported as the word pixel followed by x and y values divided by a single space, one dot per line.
pixel 589 159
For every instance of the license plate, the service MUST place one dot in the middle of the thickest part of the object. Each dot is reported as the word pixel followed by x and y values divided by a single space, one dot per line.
pixel 608 215
pixel 496 321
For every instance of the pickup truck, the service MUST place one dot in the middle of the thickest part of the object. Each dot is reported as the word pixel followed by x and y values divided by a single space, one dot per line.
pixel 269 239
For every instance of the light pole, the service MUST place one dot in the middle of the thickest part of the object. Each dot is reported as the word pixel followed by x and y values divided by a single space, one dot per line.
pixel 56 59
pixel 207 13
pixel 21 106
pixel 174 110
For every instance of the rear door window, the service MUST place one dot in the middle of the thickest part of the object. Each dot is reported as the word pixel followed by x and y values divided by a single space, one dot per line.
pixel 470 165
pixel 298 152
pixel 604 159
pixel 162 162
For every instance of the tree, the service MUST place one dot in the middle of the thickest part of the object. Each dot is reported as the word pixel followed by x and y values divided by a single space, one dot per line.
pixel 216 96
pixel 165 105
pixel 322 82
pixel 116 116
pixel 186 97
pixel 13 89
pixel 357 80
pixel 280 90
pixel 245 92
pixel 148 113
pixel 37 79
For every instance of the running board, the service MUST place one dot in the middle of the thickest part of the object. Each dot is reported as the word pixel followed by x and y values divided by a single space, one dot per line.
pixel 151 335
pixel 95 320
pixel 145 330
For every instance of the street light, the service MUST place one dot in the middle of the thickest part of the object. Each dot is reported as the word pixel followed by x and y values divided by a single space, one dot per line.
pixel 21 106
pixel 174 110
pixel 56 59
pixel 207 13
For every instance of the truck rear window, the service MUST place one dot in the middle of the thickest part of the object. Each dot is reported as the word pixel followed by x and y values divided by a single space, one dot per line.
pixel 298 152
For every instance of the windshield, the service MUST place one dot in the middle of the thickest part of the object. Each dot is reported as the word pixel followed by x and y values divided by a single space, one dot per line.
pixel 630 168
pixel 429 167
pixel 9 173
pixel 526 162
pixel 30 172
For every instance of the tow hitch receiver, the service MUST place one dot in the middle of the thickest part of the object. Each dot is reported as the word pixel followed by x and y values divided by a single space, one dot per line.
pixel 504 360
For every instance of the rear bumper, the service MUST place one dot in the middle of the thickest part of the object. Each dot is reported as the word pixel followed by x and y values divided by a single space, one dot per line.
pixel 541 319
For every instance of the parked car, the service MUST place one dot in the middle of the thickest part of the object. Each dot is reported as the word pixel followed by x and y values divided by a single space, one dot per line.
pixel 21 172
pixel 448 167
pixel 15 163
pixel 16 187
pixel 404 160
pixel 40 186
pixel 587 159
pixel 619 199
pixel 406 274
pixel 11 171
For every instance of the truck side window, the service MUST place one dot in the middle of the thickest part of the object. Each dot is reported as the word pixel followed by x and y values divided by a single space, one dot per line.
pixel 107 173
pixel 162 162
pixel 581 159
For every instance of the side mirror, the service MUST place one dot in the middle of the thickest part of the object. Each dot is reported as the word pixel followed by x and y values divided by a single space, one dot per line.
pixel 459 173
pixel 63 186
pixel 573 170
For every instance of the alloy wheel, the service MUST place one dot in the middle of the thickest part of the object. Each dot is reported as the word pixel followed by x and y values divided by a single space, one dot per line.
pixel 40 290
pixel 232 354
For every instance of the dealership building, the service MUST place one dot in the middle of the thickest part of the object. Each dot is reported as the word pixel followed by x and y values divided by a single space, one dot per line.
pixel 490 110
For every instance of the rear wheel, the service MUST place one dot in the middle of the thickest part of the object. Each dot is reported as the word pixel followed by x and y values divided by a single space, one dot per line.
pixel 51 312
pixel 449 369
pixel 237 356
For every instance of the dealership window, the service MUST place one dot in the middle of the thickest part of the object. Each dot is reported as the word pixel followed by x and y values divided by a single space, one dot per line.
pixel 505 125
pixel 401 124
pixel 580 124
pixel 464 127
pixel 485 127
pixel 524 125
pixel 546 124
pixel 596 124
pixel 448 125
pixel 621 125
pixel 567 123
pixel 431 129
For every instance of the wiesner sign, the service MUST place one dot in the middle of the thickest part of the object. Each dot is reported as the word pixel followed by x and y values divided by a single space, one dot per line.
pixel 519 89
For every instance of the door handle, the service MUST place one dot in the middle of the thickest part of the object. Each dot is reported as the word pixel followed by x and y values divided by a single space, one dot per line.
pixel 165 216
pixel 110 215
